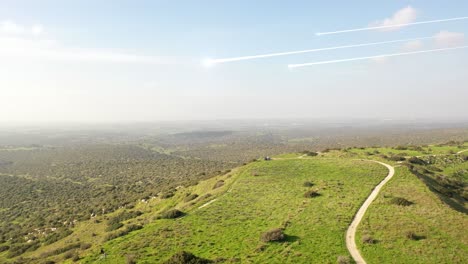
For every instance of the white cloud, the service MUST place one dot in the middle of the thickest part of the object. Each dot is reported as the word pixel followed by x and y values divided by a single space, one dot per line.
pixel 17 41
pixel 37 30
pixel 413 45
pixel 446 39
pixel 402 16
pixel 10 27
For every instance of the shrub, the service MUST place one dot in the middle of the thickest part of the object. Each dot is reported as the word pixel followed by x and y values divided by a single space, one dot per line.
pixel 343 260
pixel 59 234
pixel 59 251
pixel 308 184
pixel 412 236
pixel 311 194
pixel 397 158
pixel 75 258
pixel 123 216
pixel 218 184
pixel 18 249
pixel 185 257
pixel 124 232
pixel 167 195
pixel 130 259
pixel 85 246
pixel 368 239
pixel 311 153
pixel 400 201
pixel 418 161
pixel 114 226
pixel 133 227
pixel 171 214
pixel 4 248
pixel 68 255
pixel 191 197
pixel 273 235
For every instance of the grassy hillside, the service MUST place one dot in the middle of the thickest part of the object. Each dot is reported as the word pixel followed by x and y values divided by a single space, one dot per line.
pixel 225 218
pixel 427 231
pixel 263 196
pixel 431 228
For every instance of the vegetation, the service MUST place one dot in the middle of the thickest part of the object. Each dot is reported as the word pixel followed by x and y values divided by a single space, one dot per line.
pixel 400 201
pixel 431 230
pixel 191 197
pixel 171 214
pixel 273 235
pixel 231 227
pixel 184 257
pixel 66 196
pixel 311 194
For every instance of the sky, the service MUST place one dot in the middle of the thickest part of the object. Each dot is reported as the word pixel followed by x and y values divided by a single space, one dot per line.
pixel 127 61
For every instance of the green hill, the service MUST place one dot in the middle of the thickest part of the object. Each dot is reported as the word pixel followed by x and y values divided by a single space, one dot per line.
pixel 310 199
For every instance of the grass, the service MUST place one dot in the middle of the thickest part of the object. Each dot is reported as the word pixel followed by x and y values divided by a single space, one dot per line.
pixel 442 231
pixel 93 231
pixel 231 226
pixel 288 155
pixel 426 150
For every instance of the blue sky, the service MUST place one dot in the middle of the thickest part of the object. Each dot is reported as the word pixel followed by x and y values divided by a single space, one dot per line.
pixel 140 60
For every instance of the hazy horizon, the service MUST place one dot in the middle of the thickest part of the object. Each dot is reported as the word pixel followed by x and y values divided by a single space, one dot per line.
pixel 88 62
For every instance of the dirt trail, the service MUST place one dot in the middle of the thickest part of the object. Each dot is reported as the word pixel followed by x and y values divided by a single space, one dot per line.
pixel 208 203
pixel 461 151
pixel 351 232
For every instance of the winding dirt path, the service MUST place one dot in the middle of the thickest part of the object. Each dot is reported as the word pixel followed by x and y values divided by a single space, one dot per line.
pixel 351 232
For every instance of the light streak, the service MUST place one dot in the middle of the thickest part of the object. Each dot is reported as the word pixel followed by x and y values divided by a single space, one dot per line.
pixel 390 26
pixel 291 66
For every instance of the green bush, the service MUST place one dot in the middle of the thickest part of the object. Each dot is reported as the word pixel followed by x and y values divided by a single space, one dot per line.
pixel 130 259
pixel 343 260
pixel 218 184
pixel 114 226
pixel 400 201
pixel 368 239
pixel 171 214
pixel 412 236
pixel 311 194
pixel 57 235
pixel 185 257
pixel 69 255
pixel 400 148
pixel 310 153
pixel 191 197
pixel 167 195
pixel 85 246
pixel 397 158
pixel 418 161
pixel 4 248
pixel 273 235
